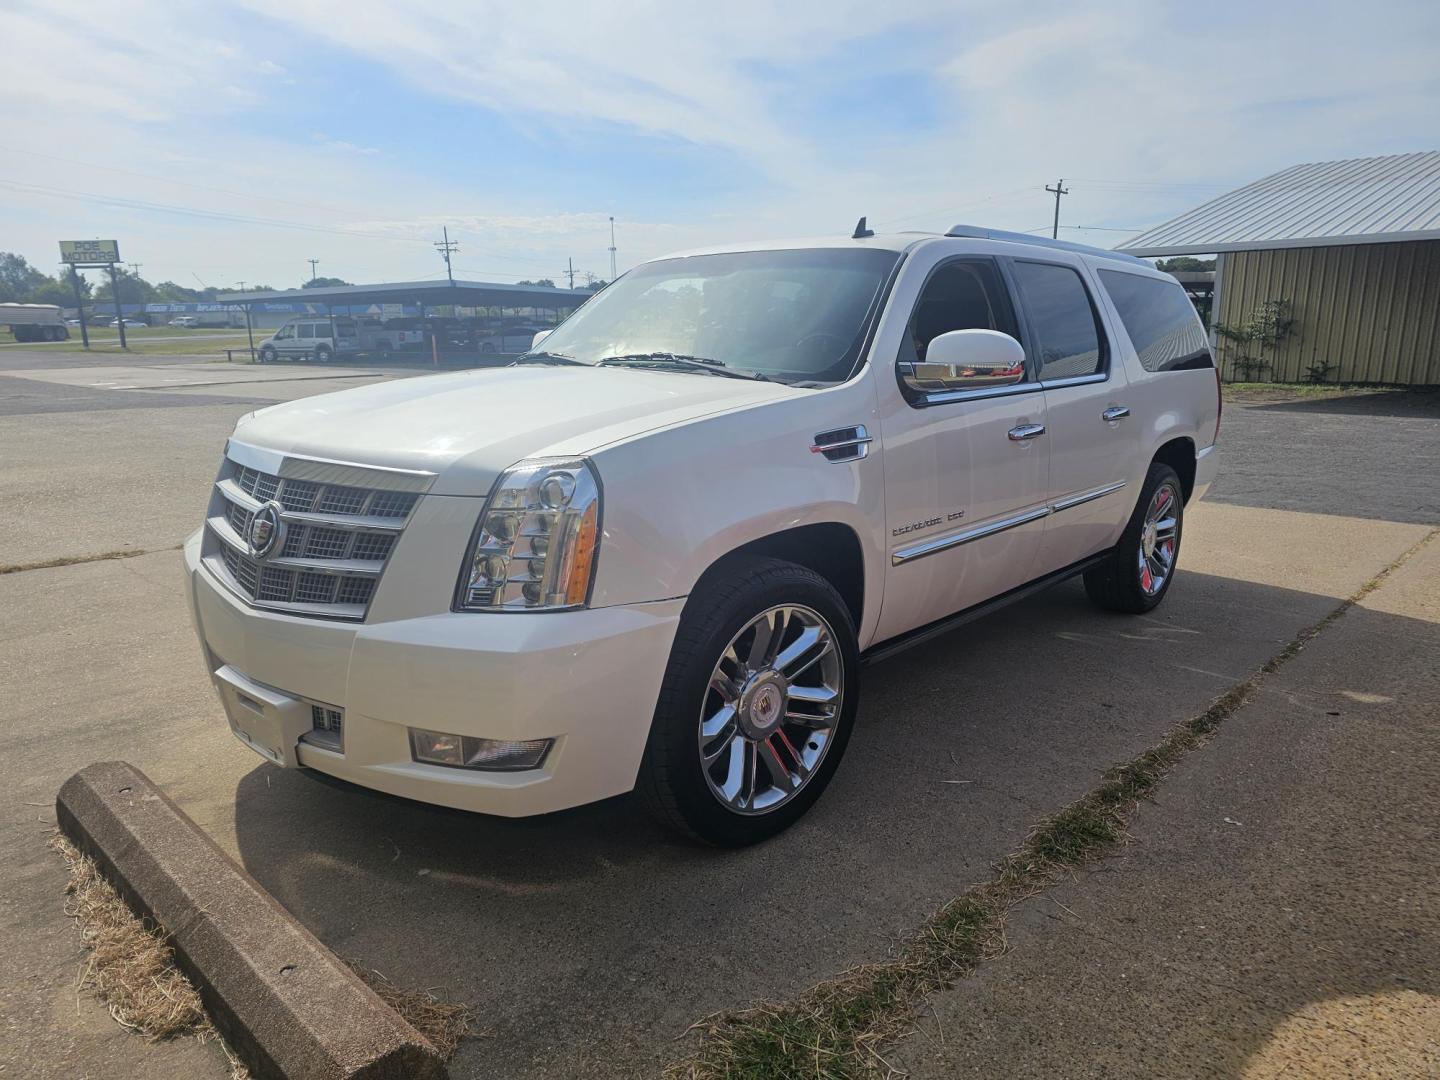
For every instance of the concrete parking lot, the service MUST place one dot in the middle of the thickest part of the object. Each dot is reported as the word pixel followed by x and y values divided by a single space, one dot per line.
pixel 588 941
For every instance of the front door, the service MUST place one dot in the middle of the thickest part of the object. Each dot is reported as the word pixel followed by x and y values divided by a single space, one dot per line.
pixel 965 470
pixel 1092 439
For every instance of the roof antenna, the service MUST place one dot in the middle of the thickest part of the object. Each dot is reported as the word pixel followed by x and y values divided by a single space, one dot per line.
pixel 861 232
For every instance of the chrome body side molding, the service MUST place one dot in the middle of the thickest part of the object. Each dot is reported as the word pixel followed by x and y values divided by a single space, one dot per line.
pixel 990 528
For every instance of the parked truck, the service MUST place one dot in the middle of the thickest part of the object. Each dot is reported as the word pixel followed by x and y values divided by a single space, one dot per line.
pixel 34 322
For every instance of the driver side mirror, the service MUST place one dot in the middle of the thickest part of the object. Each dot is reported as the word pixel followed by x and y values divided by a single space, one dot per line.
pixel 967 360
pixel 537 339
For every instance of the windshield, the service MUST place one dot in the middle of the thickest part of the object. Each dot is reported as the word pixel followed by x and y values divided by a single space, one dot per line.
pixel 793 316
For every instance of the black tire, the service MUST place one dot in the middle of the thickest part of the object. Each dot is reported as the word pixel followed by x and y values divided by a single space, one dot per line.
pixel 1118 584
pixel 267 355
pixel 323 354
pixel 672 782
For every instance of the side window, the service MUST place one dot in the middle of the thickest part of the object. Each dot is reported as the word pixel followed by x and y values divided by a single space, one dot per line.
pixel 1160 320
pixel 1068 340
pixel 962 295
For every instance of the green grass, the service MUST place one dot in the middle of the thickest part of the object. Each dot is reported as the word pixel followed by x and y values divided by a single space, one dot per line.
pixel 147 341
pixel 1302 389
pixel 836 1030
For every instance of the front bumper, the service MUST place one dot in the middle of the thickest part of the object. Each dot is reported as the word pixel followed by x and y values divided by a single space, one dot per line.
pixel 587 679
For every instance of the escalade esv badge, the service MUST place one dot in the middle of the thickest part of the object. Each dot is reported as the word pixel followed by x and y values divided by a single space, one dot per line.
pixel 264 531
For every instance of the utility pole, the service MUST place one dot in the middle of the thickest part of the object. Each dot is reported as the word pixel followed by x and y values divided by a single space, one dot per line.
pixel 1058 190
pixel 570 272
pixel 445 247
pixel 134 269
pixel 242 285
pixel 612 247
pixel 313 263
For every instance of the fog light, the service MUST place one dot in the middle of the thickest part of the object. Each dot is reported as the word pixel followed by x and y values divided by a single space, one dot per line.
pixel 468 752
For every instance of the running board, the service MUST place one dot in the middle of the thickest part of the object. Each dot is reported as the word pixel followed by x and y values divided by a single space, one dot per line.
pixel 921 634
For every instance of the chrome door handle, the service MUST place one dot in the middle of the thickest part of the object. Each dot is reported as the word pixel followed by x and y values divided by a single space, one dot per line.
pixel 1117 412
pixel 1026 431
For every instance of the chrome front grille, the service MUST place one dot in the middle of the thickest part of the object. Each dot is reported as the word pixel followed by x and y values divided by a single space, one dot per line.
pixel 336 536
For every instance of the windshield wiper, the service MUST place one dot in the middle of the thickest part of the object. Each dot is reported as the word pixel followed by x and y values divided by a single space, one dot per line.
pixel 683 362
pixel 543 357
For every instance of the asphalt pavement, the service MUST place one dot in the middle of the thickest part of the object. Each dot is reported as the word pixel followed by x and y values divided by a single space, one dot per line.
pixel 588 941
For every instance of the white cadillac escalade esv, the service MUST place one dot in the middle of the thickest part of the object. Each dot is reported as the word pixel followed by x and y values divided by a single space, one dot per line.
pixel 655 551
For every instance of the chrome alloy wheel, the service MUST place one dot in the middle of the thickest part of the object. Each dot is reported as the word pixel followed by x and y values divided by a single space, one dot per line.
pixel 1157 539
pixel 770 710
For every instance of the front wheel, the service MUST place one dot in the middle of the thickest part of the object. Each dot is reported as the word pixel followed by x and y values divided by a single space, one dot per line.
pixel 267 355
pixel 756 705
pixel 1138 574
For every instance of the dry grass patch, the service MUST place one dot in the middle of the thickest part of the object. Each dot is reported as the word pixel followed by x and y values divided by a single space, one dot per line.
pixel 131 969
pixel 444 1023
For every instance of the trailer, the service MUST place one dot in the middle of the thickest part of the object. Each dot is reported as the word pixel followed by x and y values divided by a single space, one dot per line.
pixel 34 322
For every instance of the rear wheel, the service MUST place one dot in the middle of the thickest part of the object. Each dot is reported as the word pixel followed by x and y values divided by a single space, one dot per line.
pixel 323 354
pixel 756 705
pixel 1136 577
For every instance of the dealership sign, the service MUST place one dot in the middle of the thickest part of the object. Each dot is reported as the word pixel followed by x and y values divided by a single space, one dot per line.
pixel 89 252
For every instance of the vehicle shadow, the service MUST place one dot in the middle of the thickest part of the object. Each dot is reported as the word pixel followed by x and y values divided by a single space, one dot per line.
pixel 589 940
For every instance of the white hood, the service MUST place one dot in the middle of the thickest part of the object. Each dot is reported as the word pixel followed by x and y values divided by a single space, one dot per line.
pixel 470 426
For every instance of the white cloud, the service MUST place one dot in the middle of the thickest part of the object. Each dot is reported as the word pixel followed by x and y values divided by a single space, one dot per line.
pixel 1123 99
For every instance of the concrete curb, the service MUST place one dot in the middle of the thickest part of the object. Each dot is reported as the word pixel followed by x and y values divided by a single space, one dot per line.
pixel 284 1002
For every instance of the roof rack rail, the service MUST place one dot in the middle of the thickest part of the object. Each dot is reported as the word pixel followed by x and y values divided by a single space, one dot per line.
pixel 977 232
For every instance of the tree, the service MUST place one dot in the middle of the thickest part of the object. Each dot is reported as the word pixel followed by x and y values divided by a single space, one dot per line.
pixel 59 293
pixel 133 288
pixel 321 283
pixel 544 283
pixel 1184 264
pixel 594 285
pixel 19 280
pixel 172 293
pixel 1268 324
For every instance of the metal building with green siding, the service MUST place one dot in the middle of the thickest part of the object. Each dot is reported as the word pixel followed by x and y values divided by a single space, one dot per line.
pixel 1353 247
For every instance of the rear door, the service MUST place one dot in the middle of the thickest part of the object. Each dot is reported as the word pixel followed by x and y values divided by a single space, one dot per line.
pixel 1093 441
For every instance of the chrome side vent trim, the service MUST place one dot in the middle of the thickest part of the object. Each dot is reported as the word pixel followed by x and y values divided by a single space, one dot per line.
pixel 843 444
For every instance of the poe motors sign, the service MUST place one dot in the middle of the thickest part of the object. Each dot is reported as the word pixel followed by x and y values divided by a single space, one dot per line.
pixel 90 252
pixel 101 254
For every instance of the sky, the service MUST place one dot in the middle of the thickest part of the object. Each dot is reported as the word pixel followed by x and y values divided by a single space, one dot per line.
pixel 222 143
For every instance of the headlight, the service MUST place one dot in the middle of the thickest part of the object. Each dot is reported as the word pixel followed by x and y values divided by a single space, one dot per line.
pixel 535 546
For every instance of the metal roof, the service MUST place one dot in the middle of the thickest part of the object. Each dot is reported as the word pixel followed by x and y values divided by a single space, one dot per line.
pixel 464 293
pixel 1323 204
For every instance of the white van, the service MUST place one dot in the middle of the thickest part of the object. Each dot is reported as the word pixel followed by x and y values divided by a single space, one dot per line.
pixel 311 337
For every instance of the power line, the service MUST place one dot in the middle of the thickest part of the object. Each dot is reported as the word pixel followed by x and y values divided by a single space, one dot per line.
pixel 953 209
pixel 169 180
pixel 189 211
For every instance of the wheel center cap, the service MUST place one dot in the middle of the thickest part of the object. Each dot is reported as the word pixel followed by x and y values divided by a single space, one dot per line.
pixel 1147 538
pixel 762 704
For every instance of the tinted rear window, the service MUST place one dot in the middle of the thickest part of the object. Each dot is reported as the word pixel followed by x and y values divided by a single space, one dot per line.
pixel 1160 320
pixel 1069 342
